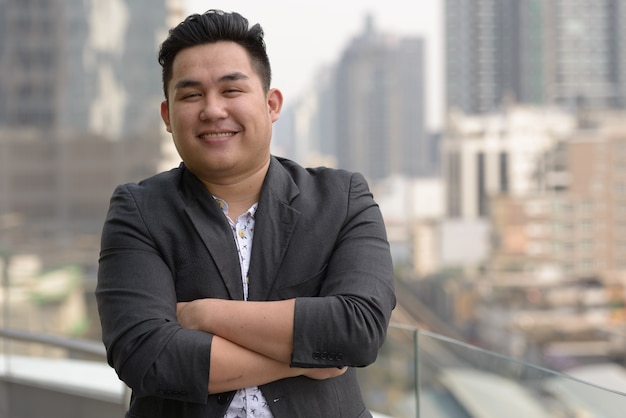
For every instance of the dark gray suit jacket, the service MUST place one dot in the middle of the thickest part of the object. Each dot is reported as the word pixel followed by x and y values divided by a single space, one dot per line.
pixel 319 237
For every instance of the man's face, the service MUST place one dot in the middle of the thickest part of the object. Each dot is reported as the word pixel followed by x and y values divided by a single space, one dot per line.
pixel 218 113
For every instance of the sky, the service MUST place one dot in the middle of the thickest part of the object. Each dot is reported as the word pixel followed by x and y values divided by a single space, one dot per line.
pixel 304 36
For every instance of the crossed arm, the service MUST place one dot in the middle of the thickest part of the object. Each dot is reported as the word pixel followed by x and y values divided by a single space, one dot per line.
pixel 252 341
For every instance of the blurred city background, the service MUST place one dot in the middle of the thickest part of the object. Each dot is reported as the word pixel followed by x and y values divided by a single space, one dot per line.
pixel 492 133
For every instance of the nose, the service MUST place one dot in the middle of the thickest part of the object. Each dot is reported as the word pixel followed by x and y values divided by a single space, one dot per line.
pixel 213 108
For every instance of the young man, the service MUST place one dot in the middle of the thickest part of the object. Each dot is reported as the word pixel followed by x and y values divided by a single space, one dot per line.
pixel 239 284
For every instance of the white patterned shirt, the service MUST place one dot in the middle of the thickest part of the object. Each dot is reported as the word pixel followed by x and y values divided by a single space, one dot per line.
pixel 248 402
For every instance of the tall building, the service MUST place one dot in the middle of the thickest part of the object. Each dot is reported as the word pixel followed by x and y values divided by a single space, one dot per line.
pixel 79 113
pixel 592 218
pixel 565 52
pixel 305 131
pixel 367 112
pixel 81 66
pixel 380 102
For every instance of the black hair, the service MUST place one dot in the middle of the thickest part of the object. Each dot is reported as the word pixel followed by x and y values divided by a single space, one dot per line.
pixel 214 26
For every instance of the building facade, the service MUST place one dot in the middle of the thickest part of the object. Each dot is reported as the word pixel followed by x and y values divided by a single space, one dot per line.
pixel 82 66
pixel 500 153
pixel 564 52
pixel 79 113
pixel 366 113
pixel 380 102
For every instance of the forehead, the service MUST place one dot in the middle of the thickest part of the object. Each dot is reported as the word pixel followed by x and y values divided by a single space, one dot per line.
pixel 211 60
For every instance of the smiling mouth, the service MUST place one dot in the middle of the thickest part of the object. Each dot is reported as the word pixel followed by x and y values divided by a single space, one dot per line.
pixel 216 135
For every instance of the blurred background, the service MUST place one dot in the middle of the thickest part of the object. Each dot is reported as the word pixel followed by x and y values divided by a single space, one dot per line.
pixel 492 133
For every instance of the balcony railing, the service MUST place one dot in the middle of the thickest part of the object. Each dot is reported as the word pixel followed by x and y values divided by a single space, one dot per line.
pixel 418 374
pixel 426 375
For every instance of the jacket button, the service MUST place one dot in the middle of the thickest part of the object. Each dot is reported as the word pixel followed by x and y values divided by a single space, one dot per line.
pixel 222 398
pixel 316 355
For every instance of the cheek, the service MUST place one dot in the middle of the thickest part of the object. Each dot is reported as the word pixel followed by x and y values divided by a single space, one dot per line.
pixel 180 119
pixel 263 118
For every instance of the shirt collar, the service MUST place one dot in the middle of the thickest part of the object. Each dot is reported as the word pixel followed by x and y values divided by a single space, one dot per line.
pixel 224 206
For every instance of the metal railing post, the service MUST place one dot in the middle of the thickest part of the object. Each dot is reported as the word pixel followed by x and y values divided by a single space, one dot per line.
pixel 417 372
pixel 6 309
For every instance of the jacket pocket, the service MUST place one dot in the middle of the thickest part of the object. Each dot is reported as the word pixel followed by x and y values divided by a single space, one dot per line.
pixel 310 286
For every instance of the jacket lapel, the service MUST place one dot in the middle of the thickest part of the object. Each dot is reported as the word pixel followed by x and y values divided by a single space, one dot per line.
pixel 274 225
pixel 214 230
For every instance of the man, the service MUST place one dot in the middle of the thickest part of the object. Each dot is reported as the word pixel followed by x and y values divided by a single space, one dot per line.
pixel 239 284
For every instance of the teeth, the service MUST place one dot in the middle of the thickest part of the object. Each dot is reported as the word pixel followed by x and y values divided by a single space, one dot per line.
pixel 217 135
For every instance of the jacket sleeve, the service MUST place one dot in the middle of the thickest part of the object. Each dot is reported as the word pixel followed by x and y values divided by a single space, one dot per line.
pixel 347 324
pixel 137 305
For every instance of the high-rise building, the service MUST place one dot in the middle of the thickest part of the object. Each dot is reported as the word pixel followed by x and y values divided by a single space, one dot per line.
pixel 367 112
pixel 80 89
pixel 380 102
pixel 565 52
pixel 82 66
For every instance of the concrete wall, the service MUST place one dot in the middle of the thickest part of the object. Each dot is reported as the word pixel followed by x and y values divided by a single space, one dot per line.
pixel 25 400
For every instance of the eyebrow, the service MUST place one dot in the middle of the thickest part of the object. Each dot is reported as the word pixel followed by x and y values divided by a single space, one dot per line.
pixel 234 76
pixel 181 84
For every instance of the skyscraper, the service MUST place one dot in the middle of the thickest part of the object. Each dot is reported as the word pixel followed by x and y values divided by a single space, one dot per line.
pixel 565 52
pixel 80 66
pixel 380 101
pixel 366 113
pixel 79 113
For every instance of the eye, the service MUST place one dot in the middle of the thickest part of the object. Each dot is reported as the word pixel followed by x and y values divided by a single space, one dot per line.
pixel 190 95
pixel 232 91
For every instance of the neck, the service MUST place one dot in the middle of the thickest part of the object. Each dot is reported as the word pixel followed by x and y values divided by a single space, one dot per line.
pixel 240 194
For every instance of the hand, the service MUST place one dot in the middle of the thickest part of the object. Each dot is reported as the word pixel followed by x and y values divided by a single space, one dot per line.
pixel 324 373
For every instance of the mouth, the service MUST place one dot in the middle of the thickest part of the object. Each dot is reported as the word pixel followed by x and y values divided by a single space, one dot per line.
pixel 216 135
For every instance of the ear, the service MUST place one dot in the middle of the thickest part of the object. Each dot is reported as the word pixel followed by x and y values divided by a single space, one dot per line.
pixel 165 115
pixel 274 103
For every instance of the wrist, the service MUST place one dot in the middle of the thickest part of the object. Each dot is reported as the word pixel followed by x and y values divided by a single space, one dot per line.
pixel 204 315
pixel 296 371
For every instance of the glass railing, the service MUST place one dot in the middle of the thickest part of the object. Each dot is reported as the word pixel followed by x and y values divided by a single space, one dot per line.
pixel 426 375
pixel 43 375
pixel 418 374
